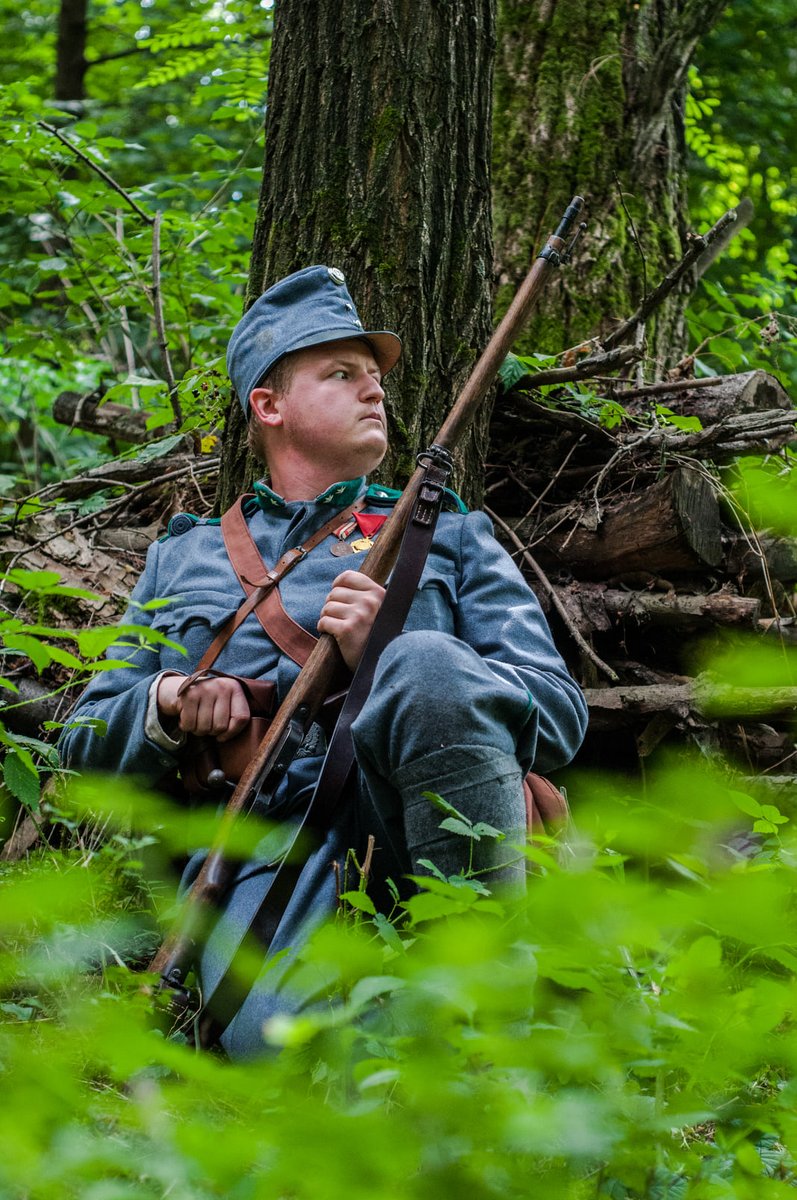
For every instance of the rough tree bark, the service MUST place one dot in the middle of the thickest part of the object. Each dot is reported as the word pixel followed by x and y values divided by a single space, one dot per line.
pixel 589 98
pixel 377 161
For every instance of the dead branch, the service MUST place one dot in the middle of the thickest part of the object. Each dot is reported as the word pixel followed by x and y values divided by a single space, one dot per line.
pixel 117 187
pixel 745 433
pixel 587 368
pixel 659 389
pixel 699 695
pixel 697 248
pixel 160 326
pixel 127 474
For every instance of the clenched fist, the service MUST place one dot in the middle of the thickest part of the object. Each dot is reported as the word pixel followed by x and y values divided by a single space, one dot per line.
pixel 349 612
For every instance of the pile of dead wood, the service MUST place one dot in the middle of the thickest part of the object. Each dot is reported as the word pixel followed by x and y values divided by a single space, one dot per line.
pixel 645 564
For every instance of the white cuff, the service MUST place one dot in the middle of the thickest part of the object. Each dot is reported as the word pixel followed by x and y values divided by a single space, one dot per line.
pixel 152 725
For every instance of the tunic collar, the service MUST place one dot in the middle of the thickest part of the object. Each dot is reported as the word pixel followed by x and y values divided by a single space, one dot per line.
pixel 337 494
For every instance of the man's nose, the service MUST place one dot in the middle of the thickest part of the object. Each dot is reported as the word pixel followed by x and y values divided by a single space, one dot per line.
pixel 371 391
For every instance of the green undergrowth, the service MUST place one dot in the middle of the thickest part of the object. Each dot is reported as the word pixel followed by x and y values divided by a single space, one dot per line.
pixel 627 1031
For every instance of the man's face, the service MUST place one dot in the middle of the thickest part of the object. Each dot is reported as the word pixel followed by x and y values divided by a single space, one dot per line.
pixel 331 413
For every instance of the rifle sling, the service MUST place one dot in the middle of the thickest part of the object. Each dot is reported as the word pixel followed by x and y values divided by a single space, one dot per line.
pixel 221 1005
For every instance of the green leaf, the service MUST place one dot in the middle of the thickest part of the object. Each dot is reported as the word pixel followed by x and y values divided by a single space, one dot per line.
pixel 371 986
pixel 388 933
pixel 36 651
pixel 33 581
pixel 22 779
pixel 151 605
pixel 65 658
pixel 444 806
pixel 93 642
pixel 359 900
pixel 746 804
pixel 454 825
pixel 482 829
pixel 428 865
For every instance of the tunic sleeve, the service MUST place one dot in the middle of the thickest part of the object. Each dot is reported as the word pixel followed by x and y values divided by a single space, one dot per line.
pixel 118 697
pixel 500 617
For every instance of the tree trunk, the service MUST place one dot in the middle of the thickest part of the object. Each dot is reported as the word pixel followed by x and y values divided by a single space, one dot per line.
pixel 589 99
pixel 377 162
pixel 70 64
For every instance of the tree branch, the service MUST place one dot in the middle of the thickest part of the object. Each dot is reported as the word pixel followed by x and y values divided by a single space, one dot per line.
pixel 588 368
pixel 117 187
pixel 697 248
pixel 157 305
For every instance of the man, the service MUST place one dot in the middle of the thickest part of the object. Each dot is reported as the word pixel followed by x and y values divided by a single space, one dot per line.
pixel 463 702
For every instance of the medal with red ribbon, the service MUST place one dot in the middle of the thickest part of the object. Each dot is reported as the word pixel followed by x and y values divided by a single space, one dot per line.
pixel 368 525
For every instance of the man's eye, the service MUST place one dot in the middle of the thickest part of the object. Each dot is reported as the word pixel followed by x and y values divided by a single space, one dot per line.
pixel 340 374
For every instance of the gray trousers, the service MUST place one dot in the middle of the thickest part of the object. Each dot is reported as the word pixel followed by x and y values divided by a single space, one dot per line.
pixel 438 719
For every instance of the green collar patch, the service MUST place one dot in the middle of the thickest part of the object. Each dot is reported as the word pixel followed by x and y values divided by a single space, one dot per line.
pixel 339 494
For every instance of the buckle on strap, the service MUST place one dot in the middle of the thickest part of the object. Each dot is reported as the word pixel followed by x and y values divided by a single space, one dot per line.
pixel 437 463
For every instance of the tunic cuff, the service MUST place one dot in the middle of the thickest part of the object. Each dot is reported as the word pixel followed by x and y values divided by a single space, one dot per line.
pixel 152 724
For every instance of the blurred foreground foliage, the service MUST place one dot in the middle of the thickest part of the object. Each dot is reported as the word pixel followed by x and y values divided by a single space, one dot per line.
pixel 629 1032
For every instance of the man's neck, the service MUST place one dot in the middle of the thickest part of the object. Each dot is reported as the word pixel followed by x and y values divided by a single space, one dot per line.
pixel 299 479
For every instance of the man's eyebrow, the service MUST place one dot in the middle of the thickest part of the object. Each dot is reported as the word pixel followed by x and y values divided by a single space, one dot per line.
pixel 342 360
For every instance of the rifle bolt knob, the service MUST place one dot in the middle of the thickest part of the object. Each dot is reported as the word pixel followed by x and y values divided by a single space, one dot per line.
pixel 216 778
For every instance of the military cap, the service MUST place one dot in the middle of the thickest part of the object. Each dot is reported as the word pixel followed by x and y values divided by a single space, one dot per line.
pixel 307 308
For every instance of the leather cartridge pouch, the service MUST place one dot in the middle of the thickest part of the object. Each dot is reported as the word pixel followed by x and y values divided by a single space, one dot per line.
pixel 206 764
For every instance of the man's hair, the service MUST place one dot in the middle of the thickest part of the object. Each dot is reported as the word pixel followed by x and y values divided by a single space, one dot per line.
pixel 278 380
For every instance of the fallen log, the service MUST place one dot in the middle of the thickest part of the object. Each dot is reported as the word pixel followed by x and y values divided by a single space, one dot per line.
pixel 701 695
pixel 129 473
pixel 780 790
pixel 682 612
pixel 673 526
pixel 740 433
pixel 81 411
pixel 750 555
pixel 711 399
pixel 26 710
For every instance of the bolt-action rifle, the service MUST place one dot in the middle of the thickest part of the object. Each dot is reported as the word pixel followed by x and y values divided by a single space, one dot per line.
pixel 416 509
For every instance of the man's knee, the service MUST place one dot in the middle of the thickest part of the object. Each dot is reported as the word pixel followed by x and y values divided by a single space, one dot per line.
pixel 432 691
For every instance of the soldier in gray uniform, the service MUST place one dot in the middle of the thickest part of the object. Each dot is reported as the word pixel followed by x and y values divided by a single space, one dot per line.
pixel 464 702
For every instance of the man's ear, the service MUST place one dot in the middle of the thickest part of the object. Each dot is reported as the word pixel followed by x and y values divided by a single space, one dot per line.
pixel 264 404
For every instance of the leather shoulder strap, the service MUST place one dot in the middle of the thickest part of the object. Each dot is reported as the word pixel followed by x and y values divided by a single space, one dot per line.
pixel 248 565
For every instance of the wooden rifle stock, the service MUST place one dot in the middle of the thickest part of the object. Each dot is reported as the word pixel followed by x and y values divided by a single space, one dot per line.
pixel 303 702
